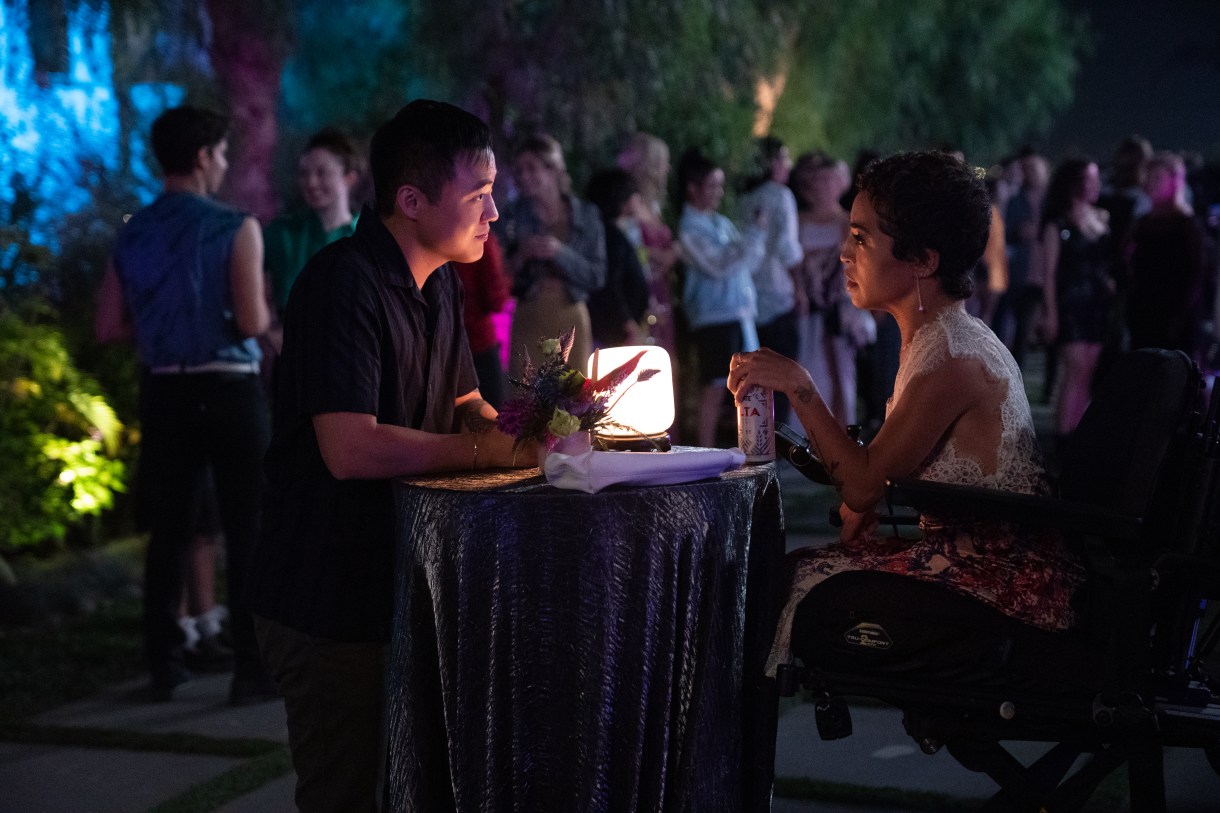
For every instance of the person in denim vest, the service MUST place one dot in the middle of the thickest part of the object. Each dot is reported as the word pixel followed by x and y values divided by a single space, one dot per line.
pixel 186 283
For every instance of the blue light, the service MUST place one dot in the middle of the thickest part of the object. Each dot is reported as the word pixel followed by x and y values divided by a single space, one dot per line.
pixel 59 132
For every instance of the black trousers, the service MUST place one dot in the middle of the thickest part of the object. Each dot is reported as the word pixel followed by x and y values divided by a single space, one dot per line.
pixel 189 422
pixel 334 693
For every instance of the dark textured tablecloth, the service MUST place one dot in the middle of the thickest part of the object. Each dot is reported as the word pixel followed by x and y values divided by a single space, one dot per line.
pixel 560 651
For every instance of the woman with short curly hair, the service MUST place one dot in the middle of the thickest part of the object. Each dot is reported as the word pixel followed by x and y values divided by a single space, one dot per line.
pixel 958 415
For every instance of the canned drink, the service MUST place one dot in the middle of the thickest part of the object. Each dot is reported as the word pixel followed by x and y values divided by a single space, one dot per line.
pixel 756 425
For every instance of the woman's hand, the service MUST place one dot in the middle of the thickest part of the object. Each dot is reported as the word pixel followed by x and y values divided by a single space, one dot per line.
pixel 767 369
pixel 541 247
pixel 856 525
pixel 661 260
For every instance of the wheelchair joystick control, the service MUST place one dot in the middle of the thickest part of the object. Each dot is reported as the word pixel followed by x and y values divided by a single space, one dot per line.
pixel 1103 714
pixel 1008 710
pixel 833 718
pixel 787 679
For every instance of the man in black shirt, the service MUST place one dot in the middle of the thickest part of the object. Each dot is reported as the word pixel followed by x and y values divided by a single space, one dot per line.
pixel 376 381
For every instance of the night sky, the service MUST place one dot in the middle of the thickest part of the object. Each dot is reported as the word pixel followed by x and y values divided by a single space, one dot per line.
pixel 1154 70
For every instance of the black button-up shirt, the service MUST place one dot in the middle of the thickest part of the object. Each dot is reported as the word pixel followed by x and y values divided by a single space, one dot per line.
pixel 359 336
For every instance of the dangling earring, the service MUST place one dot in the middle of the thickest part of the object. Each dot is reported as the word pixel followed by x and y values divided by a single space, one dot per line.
pixel 919 293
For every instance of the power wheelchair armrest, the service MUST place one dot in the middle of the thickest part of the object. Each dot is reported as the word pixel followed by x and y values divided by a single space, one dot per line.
pixel 945 499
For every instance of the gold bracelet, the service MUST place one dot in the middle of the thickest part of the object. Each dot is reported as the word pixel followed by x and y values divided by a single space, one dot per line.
pixel 474 464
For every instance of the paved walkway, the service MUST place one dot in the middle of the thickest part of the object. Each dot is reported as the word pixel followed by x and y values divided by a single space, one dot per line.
pixel 58 779
pixel 37 778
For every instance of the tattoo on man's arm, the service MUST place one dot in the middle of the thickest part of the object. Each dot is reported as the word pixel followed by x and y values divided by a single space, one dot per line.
pixel 472 417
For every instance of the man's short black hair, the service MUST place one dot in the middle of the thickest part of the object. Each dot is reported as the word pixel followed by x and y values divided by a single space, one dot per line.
pixel 180 133
pixel 420 147
pixel 932 200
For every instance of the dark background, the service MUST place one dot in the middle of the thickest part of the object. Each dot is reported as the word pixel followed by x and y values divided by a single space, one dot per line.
pixel 1154 70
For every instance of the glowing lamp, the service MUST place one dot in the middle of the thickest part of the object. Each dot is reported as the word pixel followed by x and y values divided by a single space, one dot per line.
pixel 643 409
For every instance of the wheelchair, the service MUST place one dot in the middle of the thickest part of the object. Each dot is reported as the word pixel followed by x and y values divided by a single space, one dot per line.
pixel 1139 497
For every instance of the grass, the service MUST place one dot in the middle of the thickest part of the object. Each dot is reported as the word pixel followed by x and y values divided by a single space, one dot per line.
pixel 45 667
pixel 71 629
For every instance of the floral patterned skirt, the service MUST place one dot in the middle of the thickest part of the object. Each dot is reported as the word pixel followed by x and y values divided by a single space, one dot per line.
pixel 1032 578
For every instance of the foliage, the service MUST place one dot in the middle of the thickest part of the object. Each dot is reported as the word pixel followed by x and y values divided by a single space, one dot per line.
pixel 24 265
pixel 591 73
pixel 59 438
pixel 982 75
pixel 45 667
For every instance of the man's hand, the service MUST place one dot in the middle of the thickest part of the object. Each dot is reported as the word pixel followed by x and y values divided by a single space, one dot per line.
pixel 496 452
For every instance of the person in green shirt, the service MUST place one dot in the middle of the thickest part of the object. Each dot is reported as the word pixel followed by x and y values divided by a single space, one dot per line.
pixel 327 172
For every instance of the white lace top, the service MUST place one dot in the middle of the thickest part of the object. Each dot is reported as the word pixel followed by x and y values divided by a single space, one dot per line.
pixel 956 334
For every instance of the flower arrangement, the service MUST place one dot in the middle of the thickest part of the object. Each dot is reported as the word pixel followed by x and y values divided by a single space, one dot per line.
pixel 554 400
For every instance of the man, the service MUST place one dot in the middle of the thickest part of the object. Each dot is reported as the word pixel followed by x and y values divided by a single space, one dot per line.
pixel 376 381
pixel 186 282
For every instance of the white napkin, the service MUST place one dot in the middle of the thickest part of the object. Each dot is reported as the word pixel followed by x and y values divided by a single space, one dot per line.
pixel 591 471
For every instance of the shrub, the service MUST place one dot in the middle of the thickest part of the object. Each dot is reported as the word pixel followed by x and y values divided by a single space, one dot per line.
pixel 59 438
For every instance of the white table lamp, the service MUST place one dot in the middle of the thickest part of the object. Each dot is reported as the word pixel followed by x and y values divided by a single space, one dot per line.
pixel 645 409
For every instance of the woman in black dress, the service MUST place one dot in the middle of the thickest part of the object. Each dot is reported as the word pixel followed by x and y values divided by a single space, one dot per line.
pixel 1077 266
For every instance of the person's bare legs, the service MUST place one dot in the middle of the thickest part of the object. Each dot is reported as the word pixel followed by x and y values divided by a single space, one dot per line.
pixel 200 593
pixel 1079 362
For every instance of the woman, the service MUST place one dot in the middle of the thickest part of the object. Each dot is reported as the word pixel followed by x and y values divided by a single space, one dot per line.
pixel 768 194
pixel 646 158
pixel 326 173
pixel 959 414
pixel 718 294
pixel 827 346
pixel 617 311
pixel 556 251
pixel 1076 261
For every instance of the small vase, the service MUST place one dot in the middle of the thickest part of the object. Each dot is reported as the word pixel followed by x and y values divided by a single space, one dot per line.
pixel 574 444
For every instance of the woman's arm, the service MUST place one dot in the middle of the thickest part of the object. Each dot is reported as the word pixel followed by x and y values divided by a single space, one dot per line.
pixel 930 405
pixel 788 244
pixel 724 260
pixel 246 280
pixel 584 259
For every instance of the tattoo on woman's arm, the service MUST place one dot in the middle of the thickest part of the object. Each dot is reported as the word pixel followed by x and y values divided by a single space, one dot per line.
pixel 803 394
pixel 831 466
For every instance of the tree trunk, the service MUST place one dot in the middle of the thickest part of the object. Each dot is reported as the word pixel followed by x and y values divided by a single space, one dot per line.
pixel 248 48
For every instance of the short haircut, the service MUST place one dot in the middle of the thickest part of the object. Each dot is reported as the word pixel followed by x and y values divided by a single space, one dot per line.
pixel 420 146
pixel 180 133
pixel 769 148
pixel 932 201
pixel 609 190
pixel 693 168
pixel 337 143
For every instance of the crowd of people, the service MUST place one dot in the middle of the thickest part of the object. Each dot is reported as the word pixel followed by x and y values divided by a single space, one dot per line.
pixel 295 369
pixel 1079 264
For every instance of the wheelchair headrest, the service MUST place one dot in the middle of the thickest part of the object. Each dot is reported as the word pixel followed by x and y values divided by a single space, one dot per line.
pixel 1119 453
